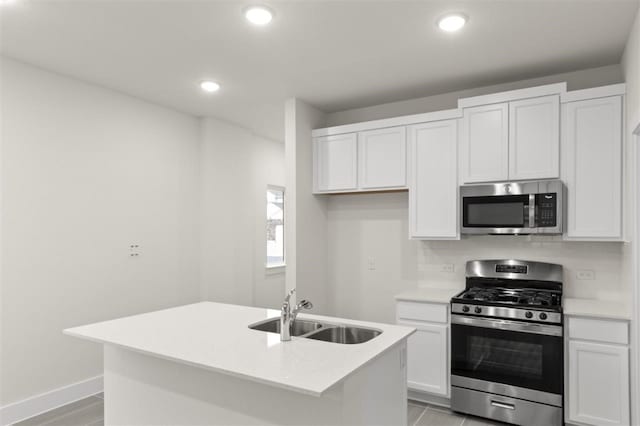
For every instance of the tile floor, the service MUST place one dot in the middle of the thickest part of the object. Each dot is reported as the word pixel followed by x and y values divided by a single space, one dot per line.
pixel 86 412
pixel 420 414
pixel 90 412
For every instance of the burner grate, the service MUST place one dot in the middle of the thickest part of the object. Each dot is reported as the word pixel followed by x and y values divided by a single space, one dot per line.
pixel 525 297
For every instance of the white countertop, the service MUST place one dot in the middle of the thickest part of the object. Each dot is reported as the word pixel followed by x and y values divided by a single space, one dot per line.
pixel 596 308
pixel 216 337
pixel 426 294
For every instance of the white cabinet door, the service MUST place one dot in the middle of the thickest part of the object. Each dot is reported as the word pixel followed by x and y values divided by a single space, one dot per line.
pixel 336 162
pixel 485 143
pixel 592 168
pixel 534 138
pixel 428 358
pixel 433 181
pixel 598 383
pixel 382 157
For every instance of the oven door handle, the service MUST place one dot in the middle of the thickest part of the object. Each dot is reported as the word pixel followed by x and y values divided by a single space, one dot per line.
pixel 523 327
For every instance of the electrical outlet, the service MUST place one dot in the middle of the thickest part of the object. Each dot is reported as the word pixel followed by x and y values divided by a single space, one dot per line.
pixel 371 263
pixel 447 267
pixel 585 274
pixel 134 250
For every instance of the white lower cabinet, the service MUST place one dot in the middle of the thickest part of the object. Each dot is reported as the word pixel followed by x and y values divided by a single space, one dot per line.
pixel 427 364
pixel 427 348
pixel 598 373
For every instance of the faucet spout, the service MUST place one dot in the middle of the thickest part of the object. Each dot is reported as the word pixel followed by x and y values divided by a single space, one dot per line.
pixel 288 315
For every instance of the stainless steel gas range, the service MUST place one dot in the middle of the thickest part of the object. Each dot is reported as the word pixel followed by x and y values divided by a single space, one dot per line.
pixel 506 342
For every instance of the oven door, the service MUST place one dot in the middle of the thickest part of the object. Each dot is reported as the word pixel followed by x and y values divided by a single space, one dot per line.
pixel 518 354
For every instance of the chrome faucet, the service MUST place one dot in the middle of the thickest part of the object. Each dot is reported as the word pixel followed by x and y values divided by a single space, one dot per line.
pixel 287 316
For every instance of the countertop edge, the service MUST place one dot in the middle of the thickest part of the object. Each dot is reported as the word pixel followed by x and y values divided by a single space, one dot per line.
pixel 596 315
pixel 306 391
pixel 316 391
pixel 594 308
pixel 428 295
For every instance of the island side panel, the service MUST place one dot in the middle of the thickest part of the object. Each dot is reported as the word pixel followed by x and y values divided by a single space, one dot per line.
pixel 377 393
pixel 145 390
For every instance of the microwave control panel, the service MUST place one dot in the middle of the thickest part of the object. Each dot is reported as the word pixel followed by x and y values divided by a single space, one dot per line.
pixel 546 205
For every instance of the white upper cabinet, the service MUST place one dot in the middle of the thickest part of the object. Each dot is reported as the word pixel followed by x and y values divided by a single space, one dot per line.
pixel 336 163
pixel 382 158
pixel 592 168
pixel 433 180
pixel 485 143
pixel 371 160
pixel 514 140
pixel 534 138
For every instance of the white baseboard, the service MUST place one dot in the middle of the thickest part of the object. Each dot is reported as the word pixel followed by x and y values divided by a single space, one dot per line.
pixel 47 401
pixel 427 398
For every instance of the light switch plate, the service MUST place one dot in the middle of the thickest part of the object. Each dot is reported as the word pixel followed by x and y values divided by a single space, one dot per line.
pixel 447 267
pixel 585 274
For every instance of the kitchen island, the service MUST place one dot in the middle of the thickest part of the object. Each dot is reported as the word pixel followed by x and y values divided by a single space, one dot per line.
pixel 202 364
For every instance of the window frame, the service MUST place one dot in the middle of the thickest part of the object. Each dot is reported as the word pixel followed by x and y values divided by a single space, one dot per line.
pixel 277 267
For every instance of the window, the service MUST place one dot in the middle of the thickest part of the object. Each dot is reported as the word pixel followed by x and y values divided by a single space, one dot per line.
pixel 275 227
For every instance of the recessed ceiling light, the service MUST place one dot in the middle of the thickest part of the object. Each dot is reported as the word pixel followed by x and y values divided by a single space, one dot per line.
pixel 258 15
pixel 452 22
pixel 209 86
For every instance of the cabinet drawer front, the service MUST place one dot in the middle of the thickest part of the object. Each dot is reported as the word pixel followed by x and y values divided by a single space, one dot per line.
pixel 599 330
pixel 430 312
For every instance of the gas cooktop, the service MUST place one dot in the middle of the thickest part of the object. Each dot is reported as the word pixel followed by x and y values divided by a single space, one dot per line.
pixel 512 297
pixel 511 290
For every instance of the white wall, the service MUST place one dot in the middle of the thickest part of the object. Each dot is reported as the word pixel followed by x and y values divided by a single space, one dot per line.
pixel 305 213
pixel 575 80
pixel 375 226
pixel 85 173
pixel 236 168
pixel 631 70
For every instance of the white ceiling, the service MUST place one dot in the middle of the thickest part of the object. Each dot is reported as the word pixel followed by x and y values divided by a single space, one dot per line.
pixel 333 54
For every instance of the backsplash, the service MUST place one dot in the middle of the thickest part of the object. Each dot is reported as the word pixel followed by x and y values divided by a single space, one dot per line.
pixel 601 260
pixel 371 258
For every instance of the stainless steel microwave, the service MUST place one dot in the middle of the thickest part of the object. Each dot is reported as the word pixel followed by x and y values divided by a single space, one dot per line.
pixel 533 207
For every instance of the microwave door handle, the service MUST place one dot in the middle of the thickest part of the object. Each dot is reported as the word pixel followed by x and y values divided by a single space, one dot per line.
pixel 532 210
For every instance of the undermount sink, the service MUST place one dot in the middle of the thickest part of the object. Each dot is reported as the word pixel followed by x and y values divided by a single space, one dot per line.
pixel 298 328
pixel 345 334
pixel 325 332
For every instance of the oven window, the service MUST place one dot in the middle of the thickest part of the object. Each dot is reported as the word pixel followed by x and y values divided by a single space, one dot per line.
pixel 515 358
pixel 498 212
pixel 527 360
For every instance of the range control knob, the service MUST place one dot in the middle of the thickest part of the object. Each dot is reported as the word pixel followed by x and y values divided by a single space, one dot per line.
pixel 477 310
pixel 465 309
pixel 528 314
pixel 543 316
